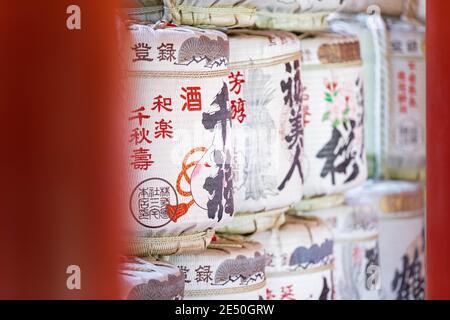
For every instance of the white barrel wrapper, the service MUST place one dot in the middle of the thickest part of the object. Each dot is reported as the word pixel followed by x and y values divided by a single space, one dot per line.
pixel 402 245
pixel 230 269
pixel 179 138
pixel 265 96
pixel 145 280
pixel 299 262
pixel 293 15
pixel 404 140
pixel 357 268
pixel 335 159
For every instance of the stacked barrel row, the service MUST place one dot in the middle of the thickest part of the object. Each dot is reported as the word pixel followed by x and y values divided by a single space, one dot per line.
pixel 247 150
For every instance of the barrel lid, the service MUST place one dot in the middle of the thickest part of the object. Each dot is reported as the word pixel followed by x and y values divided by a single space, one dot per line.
pixel 318 203
pixel 268 46
pixel 390 198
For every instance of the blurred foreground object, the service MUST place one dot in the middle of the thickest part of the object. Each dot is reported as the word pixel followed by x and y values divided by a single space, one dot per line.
pixel 438 151
pixel 60 188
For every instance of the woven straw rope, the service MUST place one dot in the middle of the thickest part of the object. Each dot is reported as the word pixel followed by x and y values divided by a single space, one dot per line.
pixel 226 291
pixel 348 239
pixel 281 274
pixel 179 74
pixel 251 223
pixel 170 245
pixel 326 66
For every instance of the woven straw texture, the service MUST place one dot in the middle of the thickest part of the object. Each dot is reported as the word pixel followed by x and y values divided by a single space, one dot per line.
pixel 385 7
pixel 296 15
pixel 317 203
pixel 267 114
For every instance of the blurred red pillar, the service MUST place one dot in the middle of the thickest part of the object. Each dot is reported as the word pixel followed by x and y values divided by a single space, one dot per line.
pixel 438 131
pixel 60 166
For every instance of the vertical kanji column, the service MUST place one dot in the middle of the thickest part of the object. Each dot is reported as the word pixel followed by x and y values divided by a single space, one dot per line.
pixel 438 149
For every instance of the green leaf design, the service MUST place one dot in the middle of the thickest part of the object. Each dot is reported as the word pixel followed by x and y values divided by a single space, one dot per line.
pixel 336 93
pixel 328 97
pixel 347 111
pixel 336 123
pixel 326 116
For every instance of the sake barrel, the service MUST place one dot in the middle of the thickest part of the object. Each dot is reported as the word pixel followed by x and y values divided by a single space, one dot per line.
pixel 144 280
pixel 356 254
pixel 265 95
pixel 179 140
pixel 296 15
pixel 299 261
pixel 402 246
pixel 404 139
pixel 333 96
pixel 230 269
pixel 372 35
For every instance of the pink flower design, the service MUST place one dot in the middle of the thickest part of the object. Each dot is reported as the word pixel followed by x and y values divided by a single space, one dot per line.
pixel 341 102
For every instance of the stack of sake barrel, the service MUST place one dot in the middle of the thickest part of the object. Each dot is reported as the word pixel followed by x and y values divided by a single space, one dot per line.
pixel 247 130
pixel 393 55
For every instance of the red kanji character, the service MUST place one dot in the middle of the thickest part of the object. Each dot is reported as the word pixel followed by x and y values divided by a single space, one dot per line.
pixel 193 98
pixel 402 98
pixel 140 116
pixel 412 102
pixel 356 255
pixel 412 90
pixel 163 129
pixel 236 82
pixel 269 294
pixel 139 135
pixel 238 110
pixel 160 102
pixel 142 159
pixel 412 78
pixel 306 115
pixel 403 109
pixel 287 293
pixel 401 75
pixel 402 87
pixel 412 66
